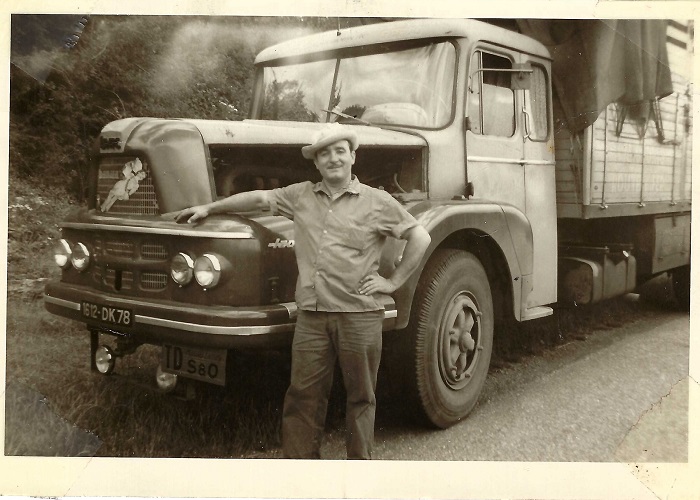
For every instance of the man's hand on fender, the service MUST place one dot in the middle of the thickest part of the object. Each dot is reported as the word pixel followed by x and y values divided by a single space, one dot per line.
pixel 192 214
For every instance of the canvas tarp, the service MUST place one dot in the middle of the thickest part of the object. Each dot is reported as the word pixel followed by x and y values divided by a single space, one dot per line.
pixel 597 62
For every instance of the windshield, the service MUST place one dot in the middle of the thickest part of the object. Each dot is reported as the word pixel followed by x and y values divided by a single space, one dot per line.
pixel 398 86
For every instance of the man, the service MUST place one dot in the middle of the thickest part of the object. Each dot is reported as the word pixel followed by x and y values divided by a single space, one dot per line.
pixel 340 226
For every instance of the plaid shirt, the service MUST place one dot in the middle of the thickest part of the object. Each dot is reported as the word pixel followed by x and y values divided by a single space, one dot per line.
pixel 338 241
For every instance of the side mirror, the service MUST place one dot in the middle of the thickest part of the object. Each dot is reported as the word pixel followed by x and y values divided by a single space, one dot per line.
pixel 521 76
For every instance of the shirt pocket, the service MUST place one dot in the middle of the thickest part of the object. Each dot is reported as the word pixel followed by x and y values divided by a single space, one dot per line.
pixel 358 239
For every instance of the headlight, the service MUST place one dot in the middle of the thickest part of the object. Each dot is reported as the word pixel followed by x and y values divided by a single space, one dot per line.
pixel 104 360
pixel 182 269
pixel 166 381
pixel 62 253
pixel 80 257
pixel 207 270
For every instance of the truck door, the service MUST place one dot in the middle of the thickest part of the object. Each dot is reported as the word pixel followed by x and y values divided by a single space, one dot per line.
pixel 540 186
pixel 494 143
pixel 509 159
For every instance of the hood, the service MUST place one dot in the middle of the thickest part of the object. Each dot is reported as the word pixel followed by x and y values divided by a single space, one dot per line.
pixel 264 132
pixel 116 134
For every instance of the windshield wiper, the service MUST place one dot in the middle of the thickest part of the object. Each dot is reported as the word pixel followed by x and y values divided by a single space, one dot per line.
pixel 346 116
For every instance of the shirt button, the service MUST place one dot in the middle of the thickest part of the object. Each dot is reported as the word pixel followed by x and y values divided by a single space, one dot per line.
pixel 324 231
pixel 330 210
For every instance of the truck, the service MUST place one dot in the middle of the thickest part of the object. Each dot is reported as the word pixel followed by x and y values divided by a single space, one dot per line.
pixel 550 162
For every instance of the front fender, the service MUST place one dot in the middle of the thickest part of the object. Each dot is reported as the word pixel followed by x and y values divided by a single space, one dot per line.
pixel 506 226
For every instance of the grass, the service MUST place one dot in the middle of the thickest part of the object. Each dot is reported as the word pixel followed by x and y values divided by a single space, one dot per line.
pixel 37 366
pixel 33 217
pixel 34 429
pixel 126 412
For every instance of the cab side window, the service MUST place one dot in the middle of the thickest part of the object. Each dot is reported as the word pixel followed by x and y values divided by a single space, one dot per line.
pixel 536 102
pixel 491 106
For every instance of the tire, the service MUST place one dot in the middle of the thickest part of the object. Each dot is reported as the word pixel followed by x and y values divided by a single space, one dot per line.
pixel 452 329
pixel 680 277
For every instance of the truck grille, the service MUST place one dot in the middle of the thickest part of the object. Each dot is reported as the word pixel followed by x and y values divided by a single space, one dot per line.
pixel 154 251
pixel 119 249
pixel 108 272
pixel 154 280
pixel 111 179
pixel 127 249
pixel 120 280
pixel 124 280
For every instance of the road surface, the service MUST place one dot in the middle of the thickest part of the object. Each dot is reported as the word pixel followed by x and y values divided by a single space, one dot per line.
pixel 597 400
pixel 620 395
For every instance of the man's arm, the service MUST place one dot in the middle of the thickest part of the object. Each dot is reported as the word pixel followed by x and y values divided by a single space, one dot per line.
pixel 417 241
pixel 239 202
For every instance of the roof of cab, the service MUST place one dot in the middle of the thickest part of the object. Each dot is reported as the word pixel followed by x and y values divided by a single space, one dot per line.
pixel 412 29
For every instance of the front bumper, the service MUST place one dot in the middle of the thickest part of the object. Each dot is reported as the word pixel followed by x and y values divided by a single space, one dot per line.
pixel 163 322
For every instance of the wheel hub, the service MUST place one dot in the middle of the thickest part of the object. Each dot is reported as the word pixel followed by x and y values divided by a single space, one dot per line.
pixel 459 340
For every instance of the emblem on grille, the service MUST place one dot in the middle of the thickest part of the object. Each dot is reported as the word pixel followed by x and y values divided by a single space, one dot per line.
pixel 133 173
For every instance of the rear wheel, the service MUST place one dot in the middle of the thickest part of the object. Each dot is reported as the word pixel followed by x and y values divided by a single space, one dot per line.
pixel 452 329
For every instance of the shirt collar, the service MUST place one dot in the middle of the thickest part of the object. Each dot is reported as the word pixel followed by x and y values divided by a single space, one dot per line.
pixel 353 187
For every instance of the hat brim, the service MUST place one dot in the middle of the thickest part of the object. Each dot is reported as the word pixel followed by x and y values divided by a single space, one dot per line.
pixel 309 152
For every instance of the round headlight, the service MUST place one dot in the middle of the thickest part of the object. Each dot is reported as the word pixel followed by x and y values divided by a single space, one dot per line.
pixel 182 269
pixel 62 253
pixel 207 270
pixel 104 360
pixel 166 381
pixel 80 257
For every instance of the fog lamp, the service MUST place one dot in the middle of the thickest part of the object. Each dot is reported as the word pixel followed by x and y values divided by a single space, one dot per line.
pixel 207 270
pixel 182 269
pixel 62 253
pixel 104 360
pixel 166 381
pixel 80 257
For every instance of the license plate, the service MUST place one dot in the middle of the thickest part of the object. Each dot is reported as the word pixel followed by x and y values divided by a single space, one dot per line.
pixel 207 365
pixel 106 314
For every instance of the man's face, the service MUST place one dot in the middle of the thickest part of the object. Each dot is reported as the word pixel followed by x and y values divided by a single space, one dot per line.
pixel 335 163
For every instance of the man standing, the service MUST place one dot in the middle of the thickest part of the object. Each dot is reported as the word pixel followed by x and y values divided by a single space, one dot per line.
pixel 340 227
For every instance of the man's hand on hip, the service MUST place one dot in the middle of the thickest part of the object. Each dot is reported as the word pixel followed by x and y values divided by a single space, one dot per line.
pixel 374 283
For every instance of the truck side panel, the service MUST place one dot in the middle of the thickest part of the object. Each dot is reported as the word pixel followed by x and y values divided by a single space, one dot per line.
pixel 627 169
pixel 630 164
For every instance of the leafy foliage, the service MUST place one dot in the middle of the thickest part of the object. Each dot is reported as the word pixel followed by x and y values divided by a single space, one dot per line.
pixel 285 101
pixel 124 66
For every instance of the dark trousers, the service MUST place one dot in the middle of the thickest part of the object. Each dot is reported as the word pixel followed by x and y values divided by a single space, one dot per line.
pixel 355 340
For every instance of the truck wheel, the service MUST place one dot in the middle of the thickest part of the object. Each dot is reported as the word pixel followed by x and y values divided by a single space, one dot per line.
pixel 453 335
pixel 680 277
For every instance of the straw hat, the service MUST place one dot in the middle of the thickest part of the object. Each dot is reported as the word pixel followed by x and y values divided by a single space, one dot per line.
pixel 328 135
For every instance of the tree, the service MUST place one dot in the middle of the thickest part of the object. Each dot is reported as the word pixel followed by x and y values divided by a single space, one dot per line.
pixel 123 66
